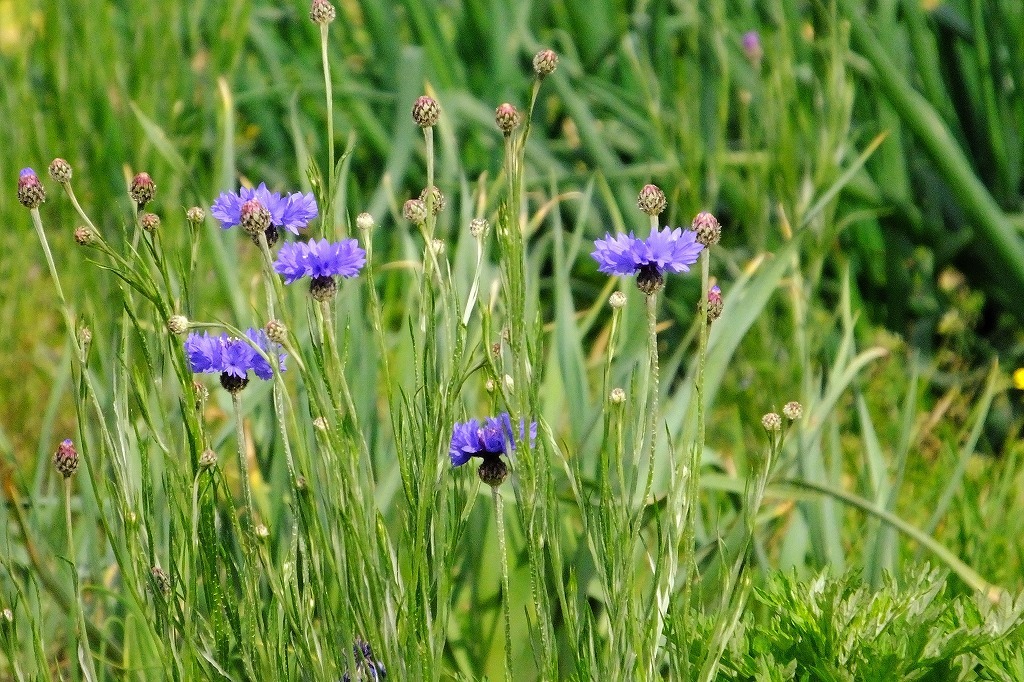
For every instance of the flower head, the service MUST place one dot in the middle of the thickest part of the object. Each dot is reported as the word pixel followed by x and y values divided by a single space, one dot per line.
pixel 30 190
pixel 292 212
pixel 751 42
pixel 425 111
pixel 65 459
pixel 60 171
pixel 319 259
pixel 545 62
pixel 142 190
pixel 231 357
pixel 665 250
pixel 715 304
pixel 492 438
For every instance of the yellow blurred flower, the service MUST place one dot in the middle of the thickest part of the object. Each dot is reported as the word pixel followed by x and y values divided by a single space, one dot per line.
pixel 1018 378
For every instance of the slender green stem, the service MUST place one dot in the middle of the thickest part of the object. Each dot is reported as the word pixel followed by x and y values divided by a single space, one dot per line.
pixel 654 393
pixel 78 208
pixel 330 119
pixel 83 637
pixel 499 513
pixel 243 467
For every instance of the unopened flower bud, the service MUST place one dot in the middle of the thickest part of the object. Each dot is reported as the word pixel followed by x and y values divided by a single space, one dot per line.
pixel 142 190
pixel 433 197
pixel 65 460
pixel 322 12
pixel 793 410
pixel 707 228
pixel 651 200
pixel 162 581
pixel 438 247
pixel 276 331
pixel 84 236
pixel 254 218
pixel 364 221
pixel 489 386
pixel 426 111
pixel 207 460
pixel 177 324
pixel 30 191
pixel 60 171
pixel 415 211
pixel 545 62
pixel 617 396
pixel 507 117
pixel 478 227
pixel 617 300
pixel 771 422
pixel 715 304
pixel 492 471
pixel 752 47
pixel 150 222
pixel 195 215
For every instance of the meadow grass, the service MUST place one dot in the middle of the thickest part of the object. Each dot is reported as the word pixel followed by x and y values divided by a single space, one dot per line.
pixel 665 535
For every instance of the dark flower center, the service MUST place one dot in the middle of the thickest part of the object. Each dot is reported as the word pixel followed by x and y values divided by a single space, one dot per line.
pixel 649 279
pixel 323 288
pixel 233 384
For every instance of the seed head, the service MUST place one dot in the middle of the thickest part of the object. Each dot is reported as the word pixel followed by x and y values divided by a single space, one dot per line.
pixel 617 396
pixel 771 422
pixel 617 300
pixel 793 410
pixel 478 227
pixel 195 215
pixel 492 471
pixel 30 191
pixel 415 211
pixel 207 460
pixel 545 62
pixel 426 111
pixel 177 324
pixel 149 222
pixel 276 331
pixel 142 190
pixel 65 460
pixel 651 200
pixel 254 218
pixel 707 228
pixel 84 236
pixel 507 117
pixel 162 580
pixel 60 171
pixel 364 221
pixel 715 304
pixel 322 12
pixel 435 197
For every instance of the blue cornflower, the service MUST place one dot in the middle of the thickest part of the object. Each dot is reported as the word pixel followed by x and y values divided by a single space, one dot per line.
pixel 292 212
pixel 665 250
pixel 489 440
pixel 321 261
pixel 231 357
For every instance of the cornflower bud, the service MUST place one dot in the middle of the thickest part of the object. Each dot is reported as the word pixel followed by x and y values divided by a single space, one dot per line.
pixel 617 300
pixel 177 324
pixel 65 459
pixel 195 215
pixel 426 111
pixel 492 471
pixel 364 221
pixel 207 460
pixel 142 190
pixel 149 222
pixel 322 12
pixel 507 117
pixel 478 227
pixel 707 228
pixel 715 304
pixel 617 396
pixel 415 211
pixel 254 218
pixel 752 47
pixel 436 197
pixel 60 171
pixel 276 331
pixel 651 200
pixel 545 62
pixel 84 236
pixel 771 422
pixel 30 191
pixel 793 410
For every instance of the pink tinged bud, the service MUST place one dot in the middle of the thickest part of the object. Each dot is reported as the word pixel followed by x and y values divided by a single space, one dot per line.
pixel 322 12
pixel 142 190
pixel 415 211
pixel 65 460
pixel 714 303
pixel 651 200
pixel 254 218
pixel 545 62
pixel 426 111
pixel 752 47
pixel 507 117
pixel 432 197
pixel 30 191
pixel 150 222
pixel 709 232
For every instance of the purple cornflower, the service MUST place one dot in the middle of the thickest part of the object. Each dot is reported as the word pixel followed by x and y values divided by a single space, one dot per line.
pixel 751 42
pixel 321 261
pixel 665 250
pixel 488 441
pixel 231 357
pixel 292 212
